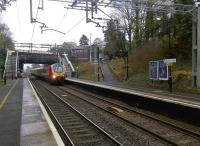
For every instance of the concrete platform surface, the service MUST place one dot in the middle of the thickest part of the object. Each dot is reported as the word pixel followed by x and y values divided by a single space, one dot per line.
pixel 10 112
pixel 35 130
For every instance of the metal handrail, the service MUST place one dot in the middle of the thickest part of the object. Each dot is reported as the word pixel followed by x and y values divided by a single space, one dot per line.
pixel 16 63
pixel 60 59
pixel 5 66
pixel 69 62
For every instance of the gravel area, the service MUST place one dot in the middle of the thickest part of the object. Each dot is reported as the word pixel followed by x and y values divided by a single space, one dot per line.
pixel 123 132
pixel 153 125
pixel 159 116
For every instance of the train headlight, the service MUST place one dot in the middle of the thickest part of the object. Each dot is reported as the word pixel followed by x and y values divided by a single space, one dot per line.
pixel 54 76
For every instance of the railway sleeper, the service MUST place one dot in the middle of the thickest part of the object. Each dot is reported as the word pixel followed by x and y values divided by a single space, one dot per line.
pixel 83 138
pixel 81 129
pixel 85 135
pixel 76 127
pixel 91 142
pixel 188 142
pixel 81 132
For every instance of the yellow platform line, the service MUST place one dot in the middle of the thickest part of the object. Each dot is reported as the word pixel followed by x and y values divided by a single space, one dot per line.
pixel 7 95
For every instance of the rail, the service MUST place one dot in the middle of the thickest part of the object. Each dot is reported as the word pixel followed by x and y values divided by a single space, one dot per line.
pixel 108 137
pixel 135 111
pixel 159 103
pixel 120 117
pixel 52 115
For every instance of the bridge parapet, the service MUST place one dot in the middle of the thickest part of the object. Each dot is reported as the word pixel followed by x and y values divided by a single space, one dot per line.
pixel 36 56
pixel 16 59
pixel 35 52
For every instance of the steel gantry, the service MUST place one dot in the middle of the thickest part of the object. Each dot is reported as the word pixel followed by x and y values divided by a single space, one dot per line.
pixel 167 6
pixel 196 48
pixel 4 4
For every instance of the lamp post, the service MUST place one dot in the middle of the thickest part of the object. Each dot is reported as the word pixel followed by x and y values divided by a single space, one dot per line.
pixel 169 30
pixel 126 54
pixel 169 47
pixel 127 67
pixel 169 41
pixel 77 72
pixel 90 49
pixel 4 61
pixel 12 65
pixel 98 64
pixel 77 69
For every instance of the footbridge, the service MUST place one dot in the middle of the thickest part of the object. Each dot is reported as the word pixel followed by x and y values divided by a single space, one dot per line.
pixel 17 58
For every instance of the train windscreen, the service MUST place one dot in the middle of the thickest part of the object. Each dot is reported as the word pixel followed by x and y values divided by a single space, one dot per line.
pixel 58 68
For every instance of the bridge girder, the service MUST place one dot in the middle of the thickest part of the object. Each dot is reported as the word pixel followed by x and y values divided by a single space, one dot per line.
pixel 34 57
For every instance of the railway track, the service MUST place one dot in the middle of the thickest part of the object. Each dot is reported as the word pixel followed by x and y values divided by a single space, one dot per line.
pixel 74 127
pixel 163 130
pixel 193 131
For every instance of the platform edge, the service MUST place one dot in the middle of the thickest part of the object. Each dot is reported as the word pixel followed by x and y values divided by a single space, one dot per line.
pixel 48 119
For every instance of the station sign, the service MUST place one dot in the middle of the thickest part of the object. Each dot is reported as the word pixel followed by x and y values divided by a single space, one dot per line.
pixel 170 62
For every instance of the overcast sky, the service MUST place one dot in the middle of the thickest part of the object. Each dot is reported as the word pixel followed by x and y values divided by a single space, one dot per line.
pixel 55 16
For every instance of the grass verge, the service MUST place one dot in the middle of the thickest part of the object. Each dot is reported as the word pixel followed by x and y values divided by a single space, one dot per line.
pixel 86 71
pixel 1 82
pixel 181 73
pixel 118 68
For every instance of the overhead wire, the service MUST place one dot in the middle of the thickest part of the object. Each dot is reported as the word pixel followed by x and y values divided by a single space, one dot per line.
pixel 61 21
pixel 35 22
pixel 75 25
pixel 18 18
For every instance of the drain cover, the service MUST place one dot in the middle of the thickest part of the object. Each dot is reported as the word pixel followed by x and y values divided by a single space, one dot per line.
pixel 115 109
pixel 64 95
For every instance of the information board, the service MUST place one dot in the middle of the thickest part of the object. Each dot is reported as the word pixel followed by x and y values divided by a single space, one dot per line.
pixel 153 70
pixel 163 71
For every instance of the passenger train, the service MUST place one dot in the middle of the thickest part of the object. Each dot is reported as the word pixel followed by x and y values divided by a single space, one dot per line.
pixel 54 73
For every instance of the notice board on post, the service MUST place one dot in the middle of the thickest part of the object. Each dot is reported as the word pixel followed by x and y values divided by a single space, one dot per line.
pixel 153 70
pixel 163 71
pixel 158 70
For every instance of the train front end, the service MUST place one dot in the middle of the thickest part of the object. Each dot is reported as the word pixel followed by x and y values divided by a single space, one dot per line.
pixel 57 73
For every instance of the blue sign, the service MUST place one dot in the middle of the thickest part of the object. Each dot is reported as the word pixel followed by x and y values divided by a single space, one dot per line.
pixel 163 70
pixel 153 70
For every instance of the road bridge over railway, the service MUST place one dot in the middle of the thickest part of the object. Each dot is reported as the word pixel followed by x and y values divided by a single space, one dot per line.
pixel 16 59
pixel 36 57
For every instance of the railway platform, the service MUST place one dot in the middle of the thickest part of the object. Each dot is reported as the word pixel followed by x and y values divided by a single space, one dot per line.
pixel 23 120
pixel 10 112
pixel 184 99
